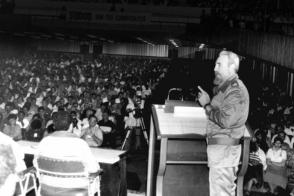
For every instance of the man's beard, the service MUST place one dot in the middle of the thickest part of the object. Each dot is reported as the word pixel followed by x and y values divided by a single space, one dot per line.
pixel 217 80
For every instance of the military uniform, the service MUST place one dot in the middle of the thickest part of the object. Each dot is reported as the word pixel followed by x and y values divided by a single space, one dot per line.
pixel 226 120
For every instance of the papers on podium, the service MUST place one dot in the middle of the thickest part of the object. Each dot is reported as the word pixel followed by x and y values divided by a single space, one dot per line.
pixel 184 120
pixel 194 112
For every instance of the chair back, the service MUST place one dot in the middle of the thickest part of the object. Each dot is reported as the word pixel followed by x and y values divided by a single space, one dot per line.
pixel 66 168
pixel 69 176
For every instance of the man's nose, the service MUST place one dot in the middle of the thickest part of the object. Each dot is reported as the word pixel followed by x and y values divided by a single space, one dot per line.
pixel 215 68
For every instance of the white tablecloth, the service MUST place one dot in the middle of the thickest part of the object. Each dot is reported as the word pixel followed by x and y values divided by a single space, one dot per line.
pixel 102 155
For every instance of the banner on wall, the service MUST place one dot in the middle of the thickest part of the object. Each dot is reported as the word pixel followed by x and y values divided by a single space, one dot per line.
pixel 107 17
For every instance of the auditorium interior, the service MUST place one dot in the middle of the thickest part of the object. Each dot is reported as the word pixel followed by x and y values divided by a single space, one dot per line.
pixel 125 68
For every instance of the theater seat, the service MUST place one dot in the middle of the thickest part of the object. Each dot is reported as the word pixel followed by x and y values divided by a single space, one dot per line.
pixel 67 171
pixel 26 182
pixel 50 191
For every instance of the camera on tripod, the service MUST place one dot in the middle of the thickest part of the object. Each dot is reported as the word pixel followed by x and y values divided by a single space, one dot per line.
pixel 135 123
pixel 138 113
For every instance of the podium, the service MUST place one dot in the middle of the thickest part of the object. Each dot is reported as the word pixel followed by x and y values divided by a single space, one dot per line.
pixel 181 168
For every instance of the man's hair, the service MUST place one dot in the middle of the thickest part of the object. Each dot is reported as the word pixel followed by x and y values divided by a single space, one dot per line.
pixel 61 121
pixel 278 139
pixel 233 58
pixel 21 112
pixel 40 108
pixel 12 116
pixel 93 116
pixel 7 163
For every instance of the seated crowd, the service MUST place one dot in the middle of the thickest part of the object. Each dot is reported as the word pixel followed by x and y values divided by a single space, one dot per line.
pixel 101 95
pixel 67 103
pixel 271 157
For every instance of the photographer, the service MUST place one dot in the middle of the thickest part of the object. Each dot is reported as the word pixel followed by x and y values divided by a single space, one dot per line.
pixel 133 121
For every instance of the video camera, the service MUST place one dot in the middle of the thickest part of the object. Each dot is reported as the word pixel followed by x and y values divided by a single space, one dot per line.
pixel 137 112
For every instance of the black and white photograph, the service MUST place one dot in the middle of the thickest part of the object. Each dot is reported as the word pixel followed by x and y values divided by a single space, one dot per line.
pixel 146 97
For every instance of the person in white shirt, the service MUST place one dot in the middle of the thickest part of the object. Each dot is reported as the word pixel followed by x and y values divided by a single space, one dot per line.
pixel 17 151
pixel 276 173
pixel 281 134
pixel 93 135
pixel 8 176
pixel 288 129
pixel 76 125
pixel 63 144
pixel 85 121
pixel 22 121
pixel 12 129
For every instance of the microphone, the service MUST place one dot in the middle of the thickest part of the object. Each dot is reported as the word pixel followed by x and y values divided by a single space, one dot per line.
pixel 174 89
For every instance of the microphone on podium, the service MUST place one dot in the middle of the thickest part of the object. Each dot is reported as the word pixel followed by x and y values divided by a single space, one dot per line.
pixel 175 89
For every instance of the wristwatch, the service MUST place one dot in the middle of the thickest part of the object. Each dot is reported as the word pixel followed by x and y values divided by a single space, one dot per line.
pixel 206 105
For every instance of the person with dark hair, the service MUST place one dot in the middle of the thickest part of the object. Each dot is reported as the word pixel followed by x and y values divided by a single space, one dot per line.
pixel 12 129
pixel 50 126
pixel 62 143
pixel 76 125
pixel 281 134
pixel 261 140
pixel 93 135
pixel 256 166
pixel 276 173
pixel 85 117
pixel 108 128
pixel 44 116
pixel 35 131
pixel 22 121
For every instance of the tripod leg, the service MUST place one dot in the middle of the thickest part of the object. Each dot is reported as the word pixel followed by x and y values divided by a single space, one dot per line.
pixel 126 138
pixel 144 129
pixel 146 136
pixel 138 138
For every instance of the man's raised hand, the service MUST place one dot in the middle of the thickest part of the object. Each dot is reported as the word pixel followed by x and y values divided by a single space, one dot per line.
pixel 203 97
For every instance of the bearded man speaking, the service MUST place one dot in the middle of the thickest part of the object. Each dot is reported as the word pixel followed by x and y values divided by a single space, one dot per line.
pixel 227 114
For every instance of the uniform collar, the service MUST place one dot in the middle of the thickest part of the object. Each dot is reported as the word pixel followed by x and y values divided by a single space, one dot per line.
pixel 222 87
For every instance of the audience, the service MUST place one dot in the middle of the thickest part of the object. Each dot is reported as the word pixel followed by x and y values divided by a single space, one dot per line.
pixel 40 85
pixel 272 123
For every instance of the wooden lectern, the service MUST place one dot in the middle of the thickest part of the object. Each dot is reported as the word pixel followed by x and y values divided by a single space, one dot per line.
pixel 180 168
